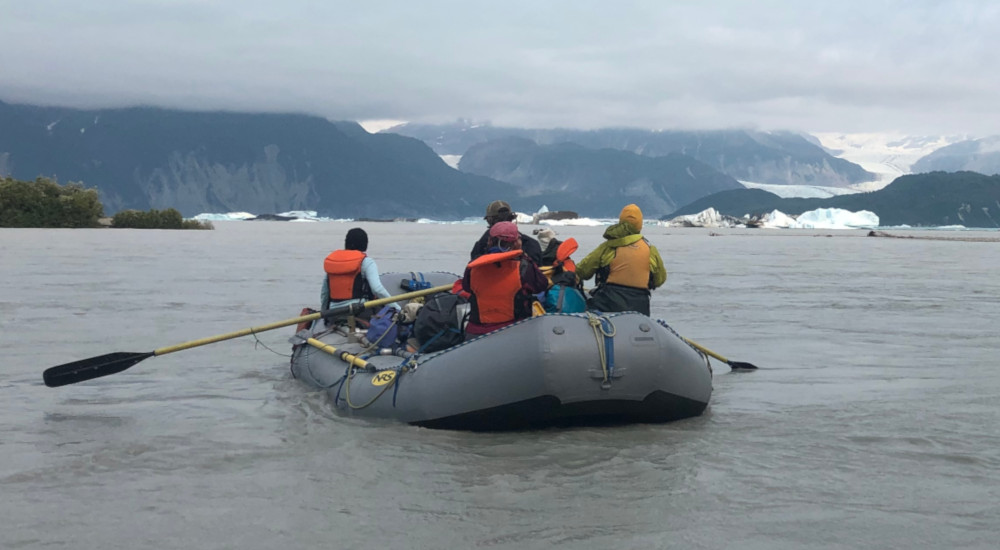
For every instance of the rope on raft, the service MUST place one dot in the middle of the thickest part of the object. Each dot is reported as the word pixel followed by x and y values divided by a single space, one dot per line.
pixel 604 333
pixel 346 385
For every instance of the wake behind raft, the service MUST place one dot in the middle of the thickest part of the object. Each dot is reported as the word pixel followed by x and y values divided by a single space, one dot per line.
pixel 549 370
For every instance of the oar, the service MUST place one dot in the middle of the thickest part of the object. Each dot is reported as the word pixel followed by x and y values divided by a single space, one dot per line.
pixel 113 363
pixel 735 365
pixel 354 360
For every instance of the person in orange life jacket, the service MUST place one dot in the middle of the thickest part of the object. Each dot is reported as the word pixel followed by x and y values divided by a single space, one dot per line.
pixel 502 282
pixel 626 265
pixel 499 211
pixel 350 273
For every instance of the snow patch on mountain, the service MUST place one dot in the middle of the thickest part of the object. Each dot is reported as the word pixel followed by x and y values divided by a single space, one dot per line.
pixel 375 126
pixel 800 191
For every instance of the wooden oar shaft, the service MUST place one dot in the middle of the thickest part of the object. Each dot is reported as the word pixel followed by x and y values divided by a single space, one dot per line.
pixel 111 363
pixel 294 321
pixel 236 334
pixel 735 365
pixel 706 351
pixel 342 355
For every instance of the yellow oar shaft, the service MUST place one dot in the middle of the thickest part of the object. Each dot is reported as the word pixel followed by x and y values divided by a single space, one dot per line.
pixel 408 295
pixel 342 355
pixel 294 321
pixel 706 350
pixel 236 334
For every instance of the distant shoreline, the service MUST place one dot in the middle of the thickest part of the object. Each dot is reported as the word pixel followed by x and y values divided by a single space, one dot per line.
pixel 934 238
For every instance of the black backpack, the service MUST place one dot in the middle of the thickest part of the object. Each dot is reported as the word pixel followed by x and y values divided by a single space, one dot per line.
pixel 440 323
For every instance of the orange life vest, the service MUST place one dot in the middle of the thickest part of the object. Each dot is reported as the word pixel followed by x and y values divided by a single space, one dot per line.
pixel 562 261
pixel 343 269
pixel 496 281
pixel 631 265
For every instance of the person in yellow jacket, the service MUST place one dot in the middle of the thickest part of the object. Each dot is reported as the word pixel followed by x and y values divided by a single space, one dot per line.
pixel 626 265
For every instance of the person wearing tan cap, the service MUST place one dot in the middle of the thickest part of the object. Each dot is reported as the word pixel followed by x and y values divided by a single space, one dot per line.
pixel 626 265
pixel 500 211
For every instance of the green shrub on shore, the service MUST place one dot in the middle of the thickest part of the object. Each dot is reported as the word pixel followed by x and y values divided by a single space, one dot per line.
pixel 196 224
pixel 45 203
pixel 156 219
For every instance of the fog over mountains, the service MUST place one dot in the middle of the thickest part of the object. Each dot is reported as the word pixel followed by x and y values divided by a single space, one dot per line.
pixel 221 162
pixel 782 158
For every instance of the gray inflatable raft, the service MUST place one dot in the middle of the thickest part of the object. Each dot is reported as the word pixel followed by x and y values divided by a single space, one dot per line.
pixel 554 369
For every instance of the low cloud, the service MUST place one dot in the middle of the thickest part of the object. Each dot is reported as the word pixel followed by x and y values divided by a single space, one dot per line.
pixel 917 67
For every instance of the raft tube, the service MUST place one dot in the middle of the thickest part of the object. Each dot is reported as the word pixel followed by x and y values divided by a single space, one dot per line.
pixel 553 369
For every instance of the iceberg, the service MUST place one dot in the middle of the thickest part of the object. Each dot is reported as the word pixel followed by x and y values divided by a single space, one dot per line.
pixel 224 217
pixel 777 220
pixel 578 222
pixel 709 217
pixel 837 218
pixel 534 219
pixel 821 218
pixel 295 215
pixel 523 218
pixel 301 215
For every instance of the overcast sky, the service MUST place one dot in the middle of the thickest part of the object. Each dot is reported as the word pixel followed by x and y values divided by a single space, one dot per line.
pixel 910 66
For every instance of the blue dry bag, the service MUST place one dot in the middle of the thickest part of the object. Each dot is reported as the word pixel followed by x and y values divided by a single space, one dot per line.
pixel 383 328
pixel 564 299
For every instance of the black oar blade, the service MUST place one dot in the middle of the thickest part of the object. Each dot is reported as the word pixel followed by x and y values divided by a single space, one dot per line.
pixel 94 367
pixel 740 365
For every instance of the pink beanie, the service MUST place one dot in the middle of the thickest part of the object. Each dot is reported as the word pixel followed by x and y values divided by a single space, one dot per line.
pixel 505 231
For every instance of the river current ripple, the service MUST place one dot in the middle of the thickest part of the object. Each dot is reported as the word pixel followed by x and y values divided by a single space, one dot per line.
pixel 872 422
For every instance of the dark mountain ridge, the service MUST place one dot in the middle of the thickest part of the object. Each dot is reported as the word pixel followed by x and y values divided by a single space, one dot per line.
pixel 264 163
pixel 595 182
pixel 221 161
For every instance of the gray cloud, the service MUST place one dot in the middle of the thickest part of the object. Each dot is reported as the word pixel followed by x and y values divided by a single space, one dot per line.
pixel 853 66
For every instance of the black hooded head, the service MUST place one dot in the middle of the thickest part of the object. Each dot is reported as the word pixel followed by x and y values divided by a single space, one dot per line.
pixel 356 239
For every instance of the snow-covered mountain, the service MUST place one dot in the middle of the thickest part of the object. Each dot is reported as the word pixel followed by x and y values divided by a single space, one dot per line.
pixel 978 155
pixel 889 155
